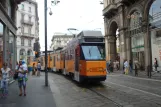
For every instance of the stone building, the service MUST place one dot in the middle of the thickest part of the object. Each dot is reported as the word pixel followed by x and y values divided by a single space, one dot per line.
pixel 28 28
pixel 59 41
pixel 138 23
pixel 8 32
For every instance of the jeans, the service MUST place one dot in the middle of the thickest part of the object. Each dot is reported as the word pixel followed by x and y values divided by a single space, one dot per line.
pixel 131 69
pixel 4 87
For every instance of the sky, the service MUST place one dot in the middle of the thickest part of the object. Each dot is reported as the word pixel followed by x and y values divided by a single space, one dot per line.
pixel 78 14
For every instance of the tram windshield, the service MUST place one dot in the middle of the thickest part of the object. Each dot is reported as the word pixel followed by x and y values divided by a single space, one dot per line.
pixel 94 52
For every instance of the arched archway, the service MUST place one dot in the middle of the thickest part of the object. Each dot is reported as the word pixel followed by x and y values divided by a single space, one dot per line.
pixel 154 22
pixel 136 35
pixel 113 42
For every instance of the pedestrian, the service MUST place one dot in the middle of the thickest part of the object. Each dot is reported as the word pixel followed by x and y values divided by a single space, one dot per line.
pixel 126 67
pixel 34 69
pixel 136 67
pixel 130 66
pixel 111 66
pixel 22 77
pixel 117 65
pixel 5 70
pixel 38 68
pixel 155 64
pixel 107 67
pixel 136 70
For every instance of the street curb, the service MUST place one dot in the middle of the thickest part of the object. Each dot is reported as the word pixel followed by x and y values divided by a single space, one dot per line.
pixel 11 82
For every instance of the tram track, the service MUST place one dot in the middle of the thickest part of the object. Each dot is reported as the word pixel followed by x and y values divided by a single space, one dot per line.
pixel 90 87
pixel 100 94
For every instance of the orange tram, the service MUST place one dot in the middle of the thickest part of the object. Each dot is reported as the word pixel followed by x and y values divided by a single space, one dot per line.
pixel 83 58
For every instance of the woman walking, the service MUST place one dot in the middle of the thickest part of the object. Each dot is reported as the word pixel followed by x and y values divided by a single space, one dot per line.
pixel 126 67
pixel 155 64
pixel 4 79
pixel 38 68
pixel 22 77
pixel 34 69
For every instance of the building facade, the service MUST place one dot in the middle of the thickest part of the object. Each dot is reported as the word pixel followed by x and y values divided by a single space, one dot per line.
pixel 8 30
pixel 28 29
pixel 138 23
pixel 59 41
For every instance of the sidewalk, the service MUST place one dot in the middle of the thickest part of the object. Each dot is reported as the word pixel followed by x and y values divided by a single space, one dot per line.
pixel 37 95
pixel 141 74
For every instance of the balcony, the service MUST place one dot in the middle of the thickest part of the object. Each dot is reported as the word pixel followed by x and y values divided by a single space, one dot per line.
pixel 110 10
pixel 27 22
pixel 27 35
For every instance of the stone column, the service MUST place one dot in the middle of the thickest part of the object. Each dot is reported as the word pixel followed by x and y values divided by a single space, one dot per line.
pixel 5 43
pixel 123 44
pixel 106 47
pixel 128 47
pixel 147 46
pixel 111 47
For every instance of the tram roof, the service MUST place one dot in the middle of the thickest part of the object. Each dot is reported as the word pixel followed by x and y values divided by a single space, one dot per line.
pixel 88 33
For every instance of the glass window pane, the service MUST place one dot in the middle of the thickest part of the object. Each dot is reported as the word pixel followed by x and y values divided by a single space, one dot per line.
pixel 93 52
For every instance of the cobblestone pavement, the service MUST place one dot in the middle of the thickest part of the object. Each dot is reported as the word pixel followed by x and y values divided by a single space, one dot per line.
pixel 117 90
pixel 133 91
pixel 67 93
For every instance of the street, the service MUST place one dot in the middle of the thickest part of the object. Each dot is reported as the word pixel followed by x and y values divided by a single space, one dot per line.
pixel 117 91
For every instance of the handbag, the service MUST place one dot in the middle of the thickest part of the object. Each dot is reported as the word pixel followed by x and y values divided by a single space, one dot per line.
pixel 16 74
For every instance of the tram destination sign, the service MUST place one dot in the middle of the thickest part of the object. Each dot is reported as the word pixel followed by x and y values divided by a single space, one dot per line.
pixel 93 39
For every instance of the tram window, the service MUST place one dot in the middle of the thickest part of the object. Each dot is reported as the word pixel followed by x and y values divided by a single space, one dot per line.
pixel 61 57
pixel 57 57
pixel 54 60
pixel 93 52
pixel 50 58
pixel 41 61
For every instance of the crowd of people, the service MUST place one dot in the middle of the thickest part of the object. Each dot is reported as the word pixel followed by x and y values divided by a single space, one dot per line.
pixel 21 75
pixel 128 66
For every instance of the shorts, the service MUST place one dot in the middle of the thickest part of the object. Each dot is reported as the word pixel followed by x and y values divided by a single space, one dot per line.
pixel 39 69
pixel 22 83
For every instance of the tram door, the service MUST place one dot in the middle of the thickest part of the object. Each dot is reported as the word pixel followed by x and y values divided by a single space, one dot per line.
pixel 76 62
pixel 64 60
pixel 77 58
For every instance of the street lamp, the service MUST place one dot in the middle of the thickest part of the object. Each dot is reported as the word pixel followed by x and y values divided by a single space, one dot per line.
pixel 101 2
pixel 53 3
pixel 69 29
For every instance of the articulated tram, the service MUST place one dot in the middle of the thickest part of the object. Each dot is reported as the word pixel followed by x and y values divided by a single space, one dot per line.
pixel 83 58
